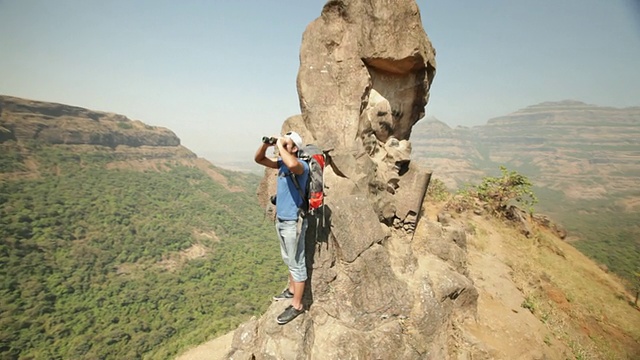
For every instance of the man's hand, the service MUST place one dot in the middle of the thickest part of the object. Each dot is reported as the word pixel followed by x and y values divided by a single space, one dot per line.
pixel 261 156
pixel 289 158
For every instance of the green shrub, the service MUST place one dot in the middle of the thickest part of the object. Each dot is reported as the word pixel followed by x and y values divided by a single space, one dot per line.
pixel 499 192
pixel 125 125
pixel 463 200
pixel 437 190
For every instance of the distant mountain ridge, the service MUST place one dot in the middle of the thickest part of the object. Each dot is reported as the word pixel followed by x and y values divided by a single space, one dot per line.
pixel 54 123
pixel 561 143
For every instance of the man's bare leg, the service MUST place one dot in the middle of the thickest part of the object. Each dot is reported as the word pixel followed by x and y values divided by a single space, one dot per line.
pixel 291 282
pixel 298 288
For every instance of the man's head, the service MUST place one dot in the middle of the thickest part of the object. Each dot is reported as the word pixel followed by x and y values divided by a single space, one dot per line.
pixel 296 140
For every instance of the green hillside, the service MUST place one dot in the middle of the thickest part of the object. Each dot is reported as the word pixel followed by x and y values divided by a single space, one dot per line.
pixel 606 232
pixel 113 262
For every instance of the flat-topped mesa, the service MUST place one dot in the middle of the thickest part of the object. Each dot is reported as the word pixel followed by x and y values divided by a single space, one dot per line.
pixel 52 123
pixel 568 112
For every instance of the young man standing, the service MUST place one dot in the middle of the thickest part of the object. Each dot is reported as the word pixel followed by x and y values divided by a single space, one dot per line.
pixel 290 225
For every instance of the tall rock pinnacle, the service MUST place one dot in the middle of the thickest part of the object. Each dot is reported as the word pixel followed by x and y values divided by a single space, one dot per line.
pixel 366 67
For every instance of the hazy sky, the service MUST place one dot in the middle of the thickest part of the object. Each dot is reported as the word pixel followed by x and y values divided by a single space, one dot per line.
pixel 221 74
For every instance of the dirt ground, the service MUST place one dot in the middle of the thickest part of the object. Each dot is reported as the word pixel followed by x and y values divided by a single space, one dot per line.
pixel 503 329
pixel 211 350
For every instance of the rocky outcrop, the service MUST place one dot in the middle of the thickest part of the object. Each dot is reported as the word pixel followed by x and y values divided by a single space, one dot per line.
pixel 366 68
pixel 380 286
pixel 51 123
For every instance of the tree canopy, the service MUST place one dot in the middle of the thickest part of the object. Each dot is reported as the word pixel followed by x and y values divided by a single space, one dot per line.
pixel 98 263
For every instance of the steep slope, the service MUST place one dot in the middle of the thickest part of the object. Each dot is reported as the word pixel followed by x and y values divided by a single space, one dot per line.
pixel 117 242
pixel 541 298
pixel 584 160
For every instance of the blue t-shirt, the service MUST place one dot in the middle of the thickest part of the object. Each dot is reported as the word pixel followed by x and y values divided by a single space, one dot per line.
pixel 289 199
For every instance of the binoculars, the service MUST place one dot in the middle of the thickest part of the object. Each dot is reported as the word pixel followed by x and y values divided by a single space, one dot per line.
pixel 269 140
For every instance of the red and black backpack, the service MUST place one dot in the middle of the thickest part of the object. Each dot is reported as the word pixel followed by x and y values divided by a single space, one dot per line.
pixel 313 199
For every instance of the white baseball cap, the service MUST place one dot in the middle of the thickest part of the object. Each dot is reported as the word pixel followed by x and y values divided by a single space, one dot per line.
pixel 297 139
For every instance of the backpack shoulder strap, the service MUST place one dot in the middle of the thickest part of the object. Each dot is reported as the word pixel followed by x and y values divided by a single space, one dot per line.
pixel 294 177
pixel 303 208
pixel 305 201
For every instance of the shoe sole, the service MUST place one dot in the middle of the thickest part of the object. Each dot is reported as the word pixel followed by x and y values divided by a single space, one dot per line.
pixel 286 322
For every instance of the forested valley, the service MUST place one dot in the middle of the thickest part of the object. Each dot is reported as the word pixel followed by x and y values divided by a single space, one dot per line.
pixel 101 262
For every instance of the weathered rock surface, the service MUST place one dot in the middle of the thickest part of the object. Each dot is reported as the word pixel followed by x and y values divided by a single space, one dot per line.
pixel 377 289
pixel 361 55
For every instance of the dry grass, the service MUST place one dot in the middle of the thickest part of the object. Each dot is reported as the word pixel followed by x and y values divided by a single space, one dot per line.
pixel 582 306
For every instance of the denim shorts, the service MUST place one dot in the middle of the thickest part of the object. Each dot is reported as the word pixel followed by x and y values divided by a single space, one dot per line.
pixel 291 234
